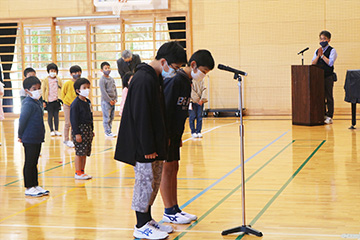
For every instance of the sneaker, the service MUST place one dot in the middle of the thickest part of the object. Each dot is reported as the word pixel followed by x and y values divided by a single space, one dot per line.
pixel 161 227
pixel 328 120
pixel 83 177
pixel 43 191
pixel 176 218
pixel 58 133
pixel 149 232
pixel 70 144
pixel 194 135
pixel 189 216
pixel 110 135
pixel 33 192
pixel 52 134
pixel 199 135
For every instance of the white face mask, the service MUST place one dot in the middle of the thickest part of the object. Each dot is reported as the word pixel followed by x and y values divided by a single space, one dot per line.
pixel 36 94
pixel 52 74
pixel 168 74
pixel 199 75
pixel 84 92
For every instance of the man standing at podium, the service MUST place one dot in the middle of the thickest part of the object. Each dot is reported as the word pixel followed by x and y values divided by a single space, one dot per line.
pixel 325 57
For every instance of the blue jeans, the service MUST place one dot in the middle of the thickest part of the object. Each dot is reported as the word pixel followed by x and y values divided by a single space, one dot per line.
pixel 196 113
pixel 108 116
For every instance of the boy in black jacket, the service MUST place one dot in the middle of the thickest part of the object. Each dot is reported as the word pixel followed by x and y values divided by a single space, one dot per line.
pixel 31 134
pixel 177 92
pixel 142 138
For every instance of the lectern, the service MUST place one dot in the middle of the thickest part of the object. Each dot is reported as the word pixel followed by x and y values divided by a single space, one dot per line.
pixel 308 101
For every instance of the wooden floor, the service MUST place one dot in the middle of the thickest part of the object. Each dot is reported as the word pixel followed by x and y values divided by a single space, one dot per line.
pixel 302 183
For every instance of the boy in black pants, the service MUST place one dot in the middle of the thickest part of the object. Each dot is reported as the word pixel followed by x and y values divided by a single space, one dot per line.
pixel 142 138
pixel 177 92
pixel 31 134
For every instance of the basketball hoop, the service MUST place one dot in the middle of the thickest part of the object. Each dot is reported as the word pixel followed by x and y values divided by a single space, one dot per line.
pixel 117 6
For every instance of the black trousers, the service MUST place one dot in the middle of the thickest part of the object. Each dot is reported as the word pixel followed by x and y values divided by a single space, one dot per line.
pixel 53 113
pixel 329 99
pixel 32 153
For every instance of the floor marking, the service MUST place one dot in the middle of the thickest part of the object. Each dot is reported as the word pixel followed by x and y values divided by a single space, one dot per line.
pixel 232 171
pixel 211 129
pixel 283 188
pixel 233 191
pixel 56 196
pixel 61 165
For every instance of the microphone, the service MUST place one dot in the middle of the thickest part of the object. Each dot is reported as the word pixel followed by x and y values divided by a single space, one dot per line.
pixel 229 69
pixel 304 50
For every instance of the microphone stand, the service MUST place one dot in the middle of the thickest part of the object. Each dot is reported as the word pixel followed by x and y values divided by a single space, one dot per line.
pixel 245 229
pixel 302 58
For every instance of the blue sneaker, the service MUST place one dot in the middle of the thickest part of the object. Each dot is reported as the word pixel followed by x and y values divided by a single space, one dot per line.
pixel 43 191
pixel 176 218
pixel 33 192
pixel 149 232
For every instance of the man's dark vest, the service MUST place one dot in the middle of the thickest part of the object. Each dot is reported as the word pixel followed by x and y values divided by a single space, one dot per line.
pixel 328 71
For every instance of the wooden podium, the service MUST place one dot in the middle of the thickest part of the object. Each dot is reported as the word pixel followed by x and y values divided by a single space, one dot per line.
pixel 308 101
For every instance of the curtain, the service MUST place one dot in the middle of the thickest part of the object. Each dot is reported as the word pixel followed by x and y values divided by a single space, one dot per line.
pixel 7 58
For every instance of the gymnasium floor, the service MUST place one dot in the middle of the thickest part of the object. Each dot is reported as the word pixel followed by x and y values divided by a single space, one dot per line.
pixel 301 183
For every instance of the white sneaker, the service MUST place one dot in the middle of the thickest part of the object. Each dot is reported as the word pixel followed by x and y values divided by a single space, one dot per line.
pixel 83 177
pixel 149 232
pixel 199 135
pixel 176 218
pixel 33 192
pixel 43 191
pixel 189 216
pixel 58 133
pixel 52 134
pixel 110 135
pixel 70 144
pixel 161 227
pixel 194 135
pixel 328 120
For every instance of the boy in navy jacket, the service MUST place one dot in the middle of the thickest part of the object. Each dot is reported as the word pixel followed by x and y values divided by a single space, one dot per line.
pixel 31 134
pixel 177 92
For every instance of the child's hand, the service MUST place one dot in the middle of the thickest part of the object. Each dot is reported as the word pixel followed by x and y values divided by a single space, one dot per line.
pixel 151 156
pixel 112 103
pixel 78 138
pixel 44 104
pixel 201 103
pixel 19 140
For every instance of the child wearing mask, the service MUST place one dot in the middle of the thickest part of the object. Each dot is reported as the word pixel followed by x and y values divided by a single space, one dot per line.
pixel 68 95
pixel 51 92
pixel 108 98
pixel 177 92
pixel 31 134
pixel 82 125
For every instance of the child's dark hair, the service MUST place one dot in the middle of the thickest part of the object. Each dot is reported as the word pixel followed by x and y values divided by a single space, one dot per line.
pixel 173 52
pixel 30 81
pixel 326 34
pixel 28 70
pixel 103 64
pixel 75 69
pixel 80 82
pixel 125 79
pixel 203 58
pixel 52 66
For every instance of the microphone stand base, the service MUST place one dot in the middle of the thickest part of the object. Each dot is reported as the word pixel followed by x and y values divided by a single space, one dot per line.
pixel 245 229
